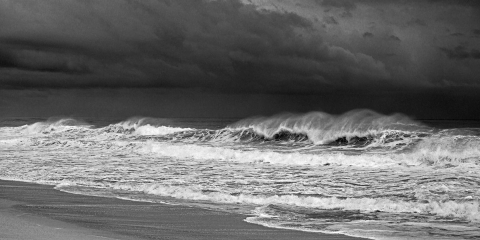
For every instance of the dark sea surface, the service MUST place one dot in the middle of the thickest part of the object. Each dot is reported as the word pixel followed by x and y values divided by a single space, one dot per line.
pixel 360 173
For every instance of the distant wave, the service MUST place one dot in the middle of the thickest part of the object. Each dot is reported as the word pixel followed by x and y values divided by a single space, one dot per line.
pixel 137 125
pixel 53 125
pixel 144 126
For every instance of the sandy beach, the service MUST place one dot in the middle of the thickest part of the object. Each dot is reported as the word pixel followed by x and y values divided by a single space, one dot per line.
pixel 33 211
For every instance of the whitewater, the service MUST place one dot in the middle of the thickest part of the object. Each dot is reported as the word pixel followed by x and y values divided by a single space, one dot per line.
pixel 360 173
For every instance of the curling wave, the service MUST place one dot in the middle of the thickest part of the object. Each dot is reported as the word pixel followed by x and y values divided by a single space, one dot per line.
pixel 323 128
pixel 356 128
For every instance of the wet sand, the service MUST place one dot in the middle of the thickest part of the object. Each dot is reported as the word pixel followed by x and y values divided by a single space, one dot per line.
pixel 33 211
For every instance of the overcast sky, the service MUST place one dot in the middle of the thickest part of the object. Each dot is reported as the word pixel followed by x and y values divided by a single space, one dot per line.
pixel 214 57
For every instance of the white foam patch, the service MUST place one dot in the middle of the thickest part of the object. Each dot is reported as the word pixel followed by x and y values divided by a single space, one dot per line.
pixel 447 148
pixel 202 152
pixel 206 152
pixel 160 130
pixel 461 210
pixel 145 126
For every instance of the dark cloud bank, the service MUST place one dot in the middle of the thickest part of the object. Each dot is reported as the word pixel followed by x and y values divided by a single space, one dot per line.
pixel 81 57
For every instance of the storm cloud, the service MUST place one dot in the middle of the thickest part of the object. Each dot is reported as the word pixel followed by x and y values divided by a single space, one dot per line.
pixel 335 55
pixel 460 52
pixel 210 44
pixel 219 45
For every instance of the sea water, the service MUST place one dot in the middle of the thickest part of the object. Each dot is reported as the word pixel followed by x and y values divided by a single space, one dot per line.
pixel 360 173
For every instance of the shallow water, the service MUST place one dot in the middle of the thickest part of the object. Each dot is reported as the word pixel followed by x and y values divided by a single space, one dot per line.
pixel 360 173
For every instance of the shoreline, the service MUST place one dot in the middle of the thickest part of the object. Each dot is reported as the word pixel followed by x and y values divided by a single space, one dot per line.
pixel 40 211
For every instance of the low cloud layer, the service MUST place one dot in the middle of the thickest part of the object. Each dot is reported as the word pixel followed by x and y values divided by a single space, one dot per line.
pixel 239 46
pixel 461 53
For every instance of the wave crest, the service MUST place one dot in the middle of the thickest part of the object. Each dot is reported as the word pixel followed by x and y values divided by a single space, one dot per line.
pixel 323 128
pixel 54 125
pixel 144 126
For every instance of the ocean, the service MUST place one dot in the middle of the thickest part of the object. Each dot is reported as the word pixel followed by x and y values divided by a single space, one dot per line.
pixel 360 173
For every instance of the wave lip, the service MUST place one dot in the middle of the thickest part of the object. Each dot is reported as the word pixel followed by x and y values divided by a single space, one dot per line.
pixel 358 128
pixel 323 128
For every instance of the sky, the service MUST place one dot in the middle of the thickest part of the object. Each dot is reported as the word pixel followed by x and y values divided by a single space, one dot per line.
pixel 236 58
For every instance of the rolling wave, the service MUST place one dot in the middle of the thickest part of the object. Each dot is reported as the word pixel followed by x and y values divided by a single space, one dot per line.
pixel 314 138
pixel 136 126
pixel 323 128
pixel 144 127
pixel 356 128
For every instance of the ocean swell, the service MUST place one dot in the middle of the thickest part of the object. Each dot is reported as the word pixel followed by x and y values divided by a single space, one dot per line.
pixel 357 138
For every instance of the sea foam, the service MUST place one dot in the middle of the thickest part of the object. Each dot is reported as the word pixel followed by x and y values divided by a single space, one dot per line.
pixel 466 210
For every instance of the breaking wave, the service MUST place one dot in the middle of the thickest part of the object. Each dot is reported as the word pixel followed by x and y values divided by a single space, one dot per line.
pixel 310 139
pixel 135 126
pixel 54 125
pixel 357 128
pixel 144 126
pixel 323 128
pixel 392 139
